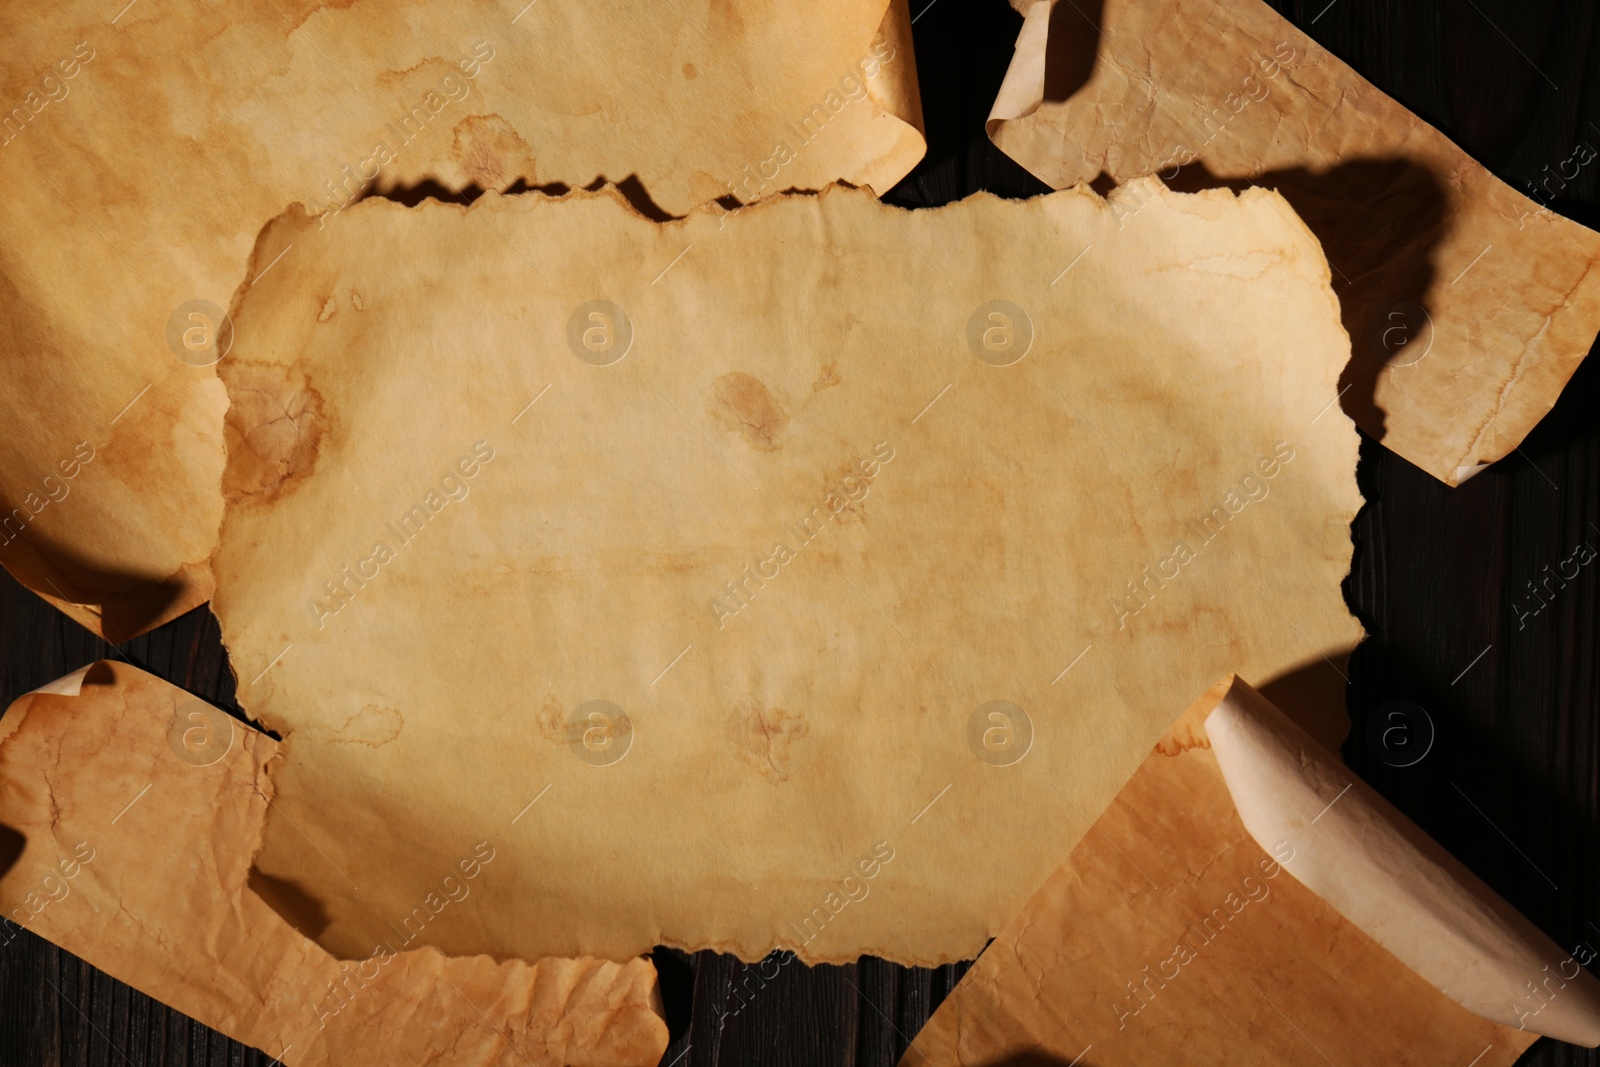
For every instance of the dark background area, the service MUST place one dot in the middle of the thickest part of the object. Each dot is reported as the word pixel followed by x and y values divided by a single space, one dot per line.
pixel 1512 782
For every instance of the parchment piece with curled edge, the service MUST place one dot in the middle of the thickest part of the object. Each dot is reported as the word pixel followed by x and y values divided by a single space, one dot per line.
pixel 138 808
pixel 802 508
pixel 1175 934
pixel 1469 305
pixel 142 153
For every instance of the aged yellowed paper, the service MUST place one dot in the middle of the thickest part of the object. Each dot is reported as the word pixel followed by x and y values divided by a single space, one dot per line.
pixel 129 813
pixel 141 152
pixel 805 576
pixel 1468 303
pixel 1177 933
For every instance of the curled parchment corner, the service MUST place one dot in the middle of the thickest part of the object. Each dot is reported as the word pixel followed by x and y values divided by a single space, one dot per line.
pixel 1245 898
pixel 894 91
pixel 140 170
pixel 131 811
pixel 1376 868
pixel 1469 305
pixel 778 568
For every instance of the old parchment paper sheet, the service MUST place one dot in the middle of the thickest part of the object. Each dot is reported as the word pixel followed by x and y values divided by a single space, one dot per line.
pixel 799 492
pixel 1176 933
pixel 142 151
pixel 136 808
pixel 1468 304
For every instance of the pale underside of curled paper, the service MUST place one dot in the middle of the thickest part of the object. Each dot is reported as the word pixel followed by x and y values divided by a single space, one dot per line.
pixel 1382 873
pixel 149 149
pixel 1469 305
pixel 129 813
pixel 801 578
pixel 1247 899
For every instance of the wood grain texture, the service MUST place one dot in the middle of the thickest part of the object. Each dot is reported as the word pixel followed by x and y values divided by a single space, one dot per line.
pixel 1512 783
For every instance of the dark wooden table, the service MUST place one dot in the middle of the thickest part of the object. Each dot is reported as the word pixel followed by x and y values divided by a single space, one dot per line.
pixel 1512 784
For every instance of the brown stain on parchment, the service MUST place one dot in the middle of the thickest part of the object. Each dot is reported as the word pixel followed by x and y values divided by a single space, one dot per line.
pixel 745 405
pixel 724 20
pixel 274 428
pixel 491 152
pixel 551 721
pixel 304 11
pixel 827 377
pixel 1183 736
pixel 834 485
pixel 763 738
pixel 1189 731
pixel 375 725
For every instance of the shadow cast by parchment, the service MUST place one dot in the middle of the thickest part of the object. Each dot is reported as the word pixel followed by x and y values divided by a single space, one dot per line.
pixel 1379 222
pixel 1507 816
pixel 412 194
pixel 293 904
pixel 1071 47
pixel 12 844
pixel 128 602
pixel 1312 695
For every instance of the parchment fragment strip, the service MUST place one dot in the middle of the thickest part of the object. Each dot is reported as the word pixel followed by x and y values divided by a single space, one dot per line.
pixel 1177 933
pixel 1469 304
pixel 129 813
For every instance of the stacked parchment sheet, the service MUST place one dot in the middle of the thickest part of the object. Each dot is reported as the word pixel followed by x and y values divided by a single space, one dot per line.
pixel 142 167
pixel 639 534
pixel 1468 304
pixel 1246 899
